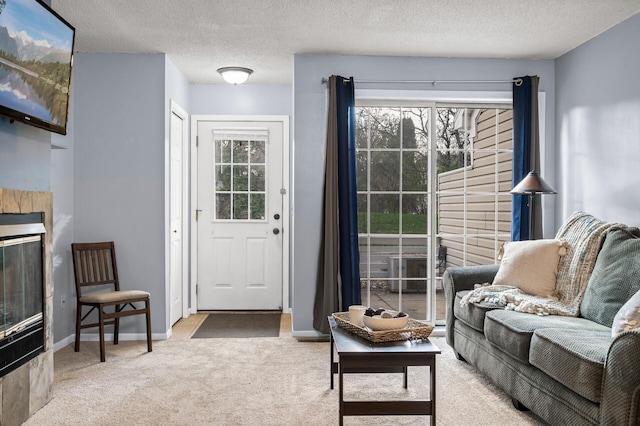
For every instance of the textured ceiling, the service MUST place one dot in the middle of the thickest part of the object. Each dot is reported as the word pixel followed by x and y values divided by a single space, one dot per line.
pixel 201 36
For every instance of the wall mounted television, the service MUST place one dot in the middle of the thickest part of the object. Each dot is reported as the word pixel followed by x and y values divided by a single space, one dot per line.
pixel 36 57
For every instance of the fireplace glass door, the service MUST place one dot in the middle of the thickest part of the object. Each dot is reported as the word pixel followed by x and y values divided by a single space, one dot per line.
pixel 20 284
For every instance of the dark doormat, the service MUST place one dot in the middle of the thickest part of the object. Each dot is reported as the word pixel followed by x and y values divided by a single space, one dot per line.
pixel 239 325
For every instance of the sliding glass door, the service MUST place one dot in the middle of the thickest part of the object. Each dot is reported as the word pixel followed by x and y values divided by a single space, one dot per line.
pixel 433 191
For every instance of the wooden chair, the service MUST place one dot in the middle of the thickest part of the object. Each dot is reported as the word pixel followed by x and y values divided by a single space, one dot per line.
pixel 95 269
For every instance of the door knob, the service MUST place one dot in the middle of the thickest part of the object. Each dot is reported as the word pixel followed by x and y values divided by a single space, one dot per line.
pixel 276 231
pixel 276 216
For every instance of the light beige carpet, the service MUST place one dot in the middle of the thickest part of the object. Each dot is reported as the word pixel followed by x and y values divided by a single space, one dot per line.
pixel 259 381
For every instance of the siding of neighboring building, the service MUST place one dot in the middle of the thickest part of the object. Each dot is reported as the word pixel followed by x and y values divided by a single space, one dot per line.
pixel 485 213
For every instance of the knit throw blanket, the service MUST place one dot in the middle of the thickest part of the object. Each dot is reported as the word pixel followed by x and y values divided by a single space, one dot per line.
pixel 584 235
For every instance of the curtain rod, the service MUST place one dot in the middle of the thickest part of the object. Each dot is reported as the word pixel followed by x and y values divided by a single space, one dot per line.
pixel 518 81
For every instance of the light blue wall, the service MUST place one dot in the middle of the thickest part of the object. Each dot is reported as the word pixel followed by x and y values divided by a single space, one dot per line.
pixel 598 126
pixel 247 99
pixel 310 100
pixel 25 157
pixel 62 186
pixel 176 88
pixel 119 167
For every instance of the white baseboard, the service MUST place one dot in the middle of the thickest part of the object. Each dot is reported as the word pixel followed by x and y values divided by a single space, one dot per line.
pixel 308 334
pixel 64 342
pixel 108 337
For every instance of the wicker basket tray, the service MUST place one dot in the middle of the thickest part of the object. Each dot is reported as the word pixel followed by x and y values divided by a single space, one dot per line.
pixel 413 330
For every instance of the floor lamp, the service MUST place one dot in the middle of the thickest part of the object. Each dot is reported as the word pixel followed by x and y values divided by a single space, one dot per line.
pixel 531 185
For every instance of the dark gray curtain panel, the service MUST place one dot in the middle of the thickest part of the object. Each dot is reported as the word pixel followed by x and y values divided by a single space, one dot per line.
pixel 338 278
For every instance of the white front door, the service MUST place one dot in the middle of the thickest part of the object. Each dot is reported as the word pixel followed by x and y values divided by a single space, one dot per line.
pixel 240 215
pixel 178 143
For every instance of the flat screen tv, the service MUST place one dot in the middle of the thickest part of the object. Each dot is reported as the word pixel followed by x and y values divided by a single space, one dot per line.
pixel 36 57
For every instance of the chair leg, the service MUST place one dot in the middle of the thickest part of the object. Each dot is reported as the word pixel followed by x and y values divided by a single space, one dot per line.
pixel 101 326
pixel 78 320
pixel 148 314
pixel 116 327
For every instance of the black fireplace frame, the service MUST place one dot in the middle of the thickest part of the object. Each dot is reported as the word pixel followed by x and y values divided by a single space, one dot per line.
pixel 22 346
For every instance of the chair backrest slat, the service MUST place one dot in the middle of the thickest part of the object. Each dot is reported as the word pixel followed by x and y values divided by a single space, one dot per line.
pixel 94 265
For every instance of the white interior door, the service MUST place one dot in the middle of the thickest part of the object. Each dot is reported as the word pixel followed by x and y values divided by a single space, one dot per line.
pixel 176 176
pixel 240 215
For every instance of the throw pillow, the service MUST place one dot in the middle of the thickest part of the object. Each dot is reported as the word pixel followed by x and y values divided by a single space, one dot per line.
pixel 615 276
pixel 628 317
pixel 531 266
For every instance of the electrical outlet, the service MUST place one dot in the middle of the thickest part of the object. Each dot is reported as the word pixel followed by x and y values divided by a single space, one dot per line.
pixel 63 301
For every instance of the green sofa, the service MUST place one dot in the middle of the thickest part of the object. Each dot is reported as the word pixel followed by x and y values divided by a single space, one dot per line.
pixel 568 370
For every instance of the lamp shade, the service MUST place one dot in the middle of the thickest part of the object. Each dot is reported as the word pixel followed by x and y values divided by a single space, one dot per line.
pixel 235 75
pixel 533 184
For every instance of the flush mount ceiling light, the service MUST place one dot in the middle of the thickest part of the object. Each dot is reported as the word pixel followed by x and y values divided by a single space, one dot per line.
pixel 235 75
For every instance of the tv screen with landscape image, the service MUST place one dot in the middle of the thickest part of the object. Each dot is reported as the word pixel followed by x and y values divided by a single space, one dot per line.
pixel 36 57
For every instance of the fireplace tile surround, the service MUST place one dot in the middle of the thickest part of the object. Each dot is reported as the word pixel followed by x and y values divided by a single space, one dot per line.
pixel 28 388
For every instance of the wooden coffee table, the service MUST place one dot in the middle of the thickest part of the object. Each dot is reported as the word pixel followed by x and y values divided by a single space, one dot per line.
pixel 358 355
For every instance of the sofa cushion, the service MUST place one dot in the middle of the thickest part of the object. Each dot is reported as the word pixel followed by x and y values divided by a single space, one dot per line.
pixel 472 314
pixel 614 278
pixel 574 357
pixel 531 266
pixel 628 317
pixel 512 331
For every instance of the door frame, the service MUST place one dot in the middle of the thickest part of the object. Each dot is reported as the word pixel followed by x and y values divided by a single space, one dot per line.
pixel 176 109
pixel 286 213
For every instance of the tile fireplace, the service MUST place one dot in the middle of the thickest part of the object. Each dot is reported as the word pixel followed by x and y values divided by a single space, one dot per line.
pixel 26 323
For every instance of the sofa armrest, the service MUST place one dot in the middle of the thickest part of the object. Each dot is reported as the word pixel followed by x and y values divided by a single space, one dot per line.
pixel 460 278
pixel 621 382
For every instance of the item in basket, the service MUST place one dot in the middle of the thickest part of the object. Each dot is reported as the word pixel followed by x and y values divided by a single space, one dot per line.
pixel 371 312
pixel 355 314
pixel 380 323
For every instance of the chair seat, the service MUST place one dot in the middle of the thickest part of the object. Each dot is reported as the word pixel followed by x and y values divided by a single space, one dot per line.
pixel 114 296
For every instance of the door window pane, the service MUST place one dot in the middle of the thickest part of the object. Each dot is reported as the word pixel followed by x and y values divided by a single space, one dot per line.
pixel 223 206
pixel 414 213
pixel 257 207
pixel 240 206
pixel 386 171
pixel 414 171
pixel 257 178
pixel 384 213
pixel 223 178
pixel 257 152
pixel 240 178
pixel 240 151
pixel 223 151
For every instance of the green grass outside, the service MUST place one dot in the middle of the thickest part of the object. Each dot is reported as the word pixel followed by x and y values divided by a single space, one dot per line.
pixel 388 223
